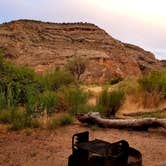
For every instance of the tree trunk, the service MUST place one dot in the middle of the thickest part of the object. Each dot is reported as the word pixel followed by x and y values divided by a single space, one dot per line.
pixel 135 124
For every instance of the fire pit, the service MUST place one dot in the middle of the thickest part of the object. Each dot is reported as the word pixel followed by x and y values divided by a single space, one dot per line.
pixel 101 153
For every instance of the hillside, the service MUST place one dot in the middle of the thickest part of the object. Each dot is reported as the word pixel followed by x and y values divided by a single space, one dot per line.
pixel 45 46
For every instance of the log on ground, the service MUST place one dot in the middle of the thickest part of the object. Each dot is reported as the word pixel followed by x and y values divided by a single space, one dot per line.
pixel 135 124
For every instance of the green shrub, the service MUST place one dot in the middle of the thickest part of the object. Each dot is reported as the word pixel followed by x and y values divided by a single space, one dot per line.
pixel 76 99
pixel 14 117
pixel 32 123
pixel 5 116
pixel 63 120
pixel 104 98
pixel 48 101
pixel 116 100
pixel 2 101
pixel 14 81
pixel 17 119
pixel 110 102
pixel 155 81
pixel 55 79
pixel 32 96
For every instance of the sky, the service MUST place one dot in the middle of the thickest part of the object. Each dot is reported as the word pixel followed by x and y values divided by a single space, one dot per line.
pixel 140 22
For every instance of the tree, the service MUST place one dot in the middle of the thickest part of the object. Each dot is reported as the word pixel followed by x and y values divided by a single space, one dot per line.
pixel 77 66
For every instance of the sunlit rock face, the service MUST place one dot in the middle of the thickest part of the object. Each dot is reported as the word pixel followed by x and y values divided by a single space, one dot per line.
pixel 44 46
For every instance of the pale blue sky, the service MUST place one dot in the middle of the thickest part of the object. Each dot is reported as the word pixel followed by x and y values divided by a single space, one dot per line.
pixel 141 22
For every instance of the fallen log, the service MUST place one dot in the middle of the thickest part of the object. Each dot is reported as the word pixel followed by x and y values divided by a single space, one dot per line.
pixel 135 124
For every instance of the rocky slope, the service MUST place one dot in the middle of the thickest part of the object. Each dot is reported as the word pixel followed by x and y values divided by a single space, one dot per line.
pixel 44 46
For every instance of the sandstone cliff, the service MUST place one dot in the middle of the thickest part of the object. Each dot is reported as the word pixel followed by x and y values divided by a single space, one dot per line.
pixel 44 46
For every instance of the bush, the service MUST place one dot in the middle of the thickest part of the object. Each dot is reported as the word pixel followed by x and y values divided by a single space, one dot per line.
pixel 14 117
pixel 75 98
pixel 48 101
pixel 14 81
pixel 5 116
pixel 110 102
pixel 54 80
pixel 2 101
pixel 17 119
pixel 63 120
pixel 32 99
pixel 155 81
pixel 154 88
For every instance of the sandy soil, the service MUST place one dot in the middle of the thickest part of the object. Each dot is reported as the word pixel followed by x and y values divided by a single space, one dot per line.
pixel 52 148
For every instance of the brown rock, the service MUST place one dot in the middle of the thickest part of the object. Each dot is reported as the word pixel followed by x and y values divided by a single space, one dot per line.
pixel 42 46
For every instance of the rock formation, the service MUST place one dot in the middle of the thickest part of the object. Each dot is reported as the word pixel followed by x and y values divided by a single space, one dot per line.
pixel 44 46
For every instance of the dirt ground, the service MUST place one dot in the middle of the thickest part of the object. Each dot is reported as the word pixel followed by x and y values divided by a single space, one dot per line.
pixel 52 148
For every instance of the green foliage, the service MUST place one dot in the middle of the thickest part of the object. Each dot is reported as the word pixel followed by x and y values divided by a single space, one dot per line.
pixel 2 100
pixel 155 81
pixel 63 120
pixel 17 119
pixel 116 100
pixel 54 80
pixel 14 81
pixel 20 86
pixel 110 102
pixel 48 101
pixel 31 102
pixel 130 86
pixel 76 99
pixel 5 116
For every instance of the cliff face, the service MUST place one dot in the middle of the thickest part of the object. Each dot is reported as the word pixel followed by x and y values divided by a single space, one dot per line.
pixel 44 46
